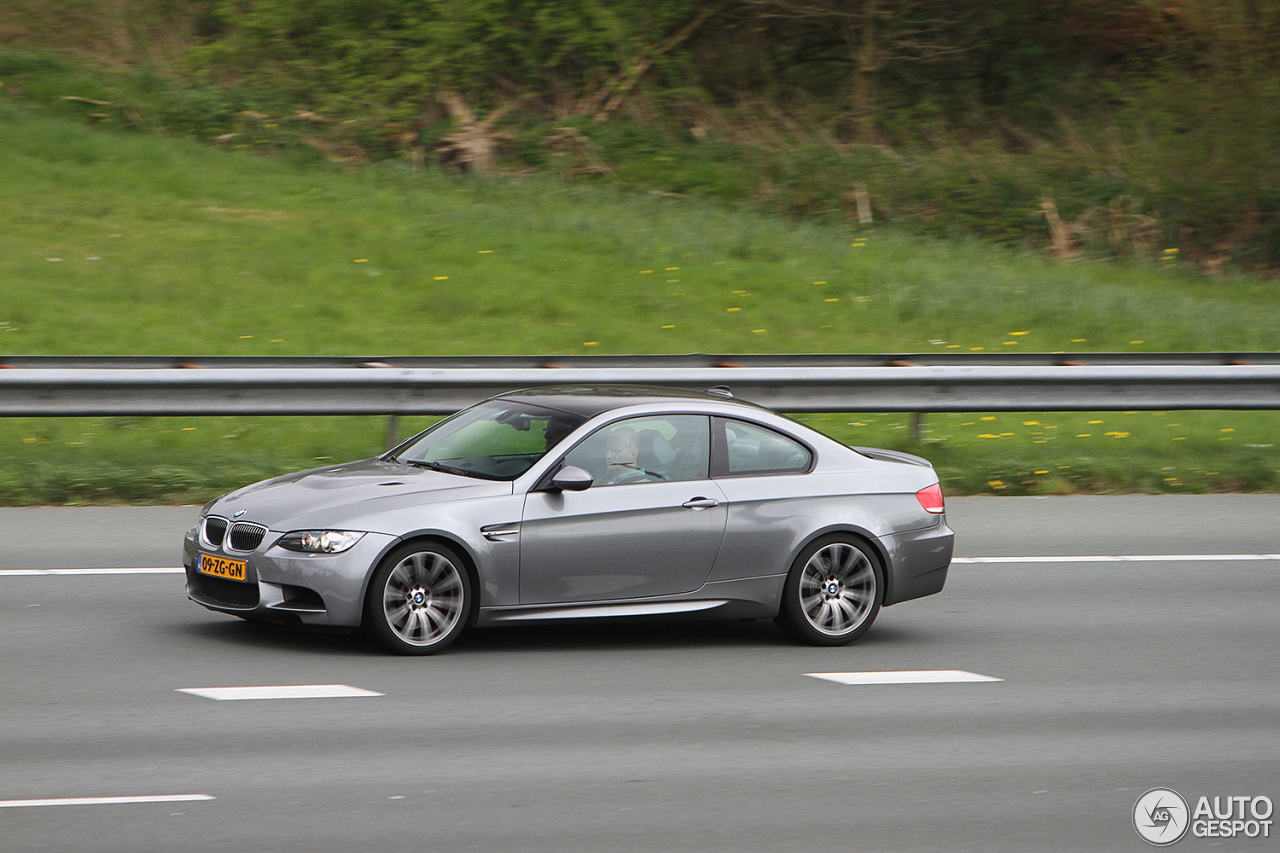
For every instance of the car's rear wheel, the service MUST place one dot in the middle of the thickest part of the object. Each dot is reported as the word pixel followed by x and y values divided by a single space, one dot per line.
pixel 833 592
pixel 418 599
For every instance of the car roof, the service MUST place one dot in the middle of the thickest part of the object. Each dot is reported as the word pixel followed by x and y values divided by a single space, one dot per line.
pixel 591 400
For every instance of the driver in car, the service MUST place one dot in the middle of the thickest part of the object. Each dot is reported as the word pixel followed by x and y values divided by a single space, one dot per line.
pixel 556 429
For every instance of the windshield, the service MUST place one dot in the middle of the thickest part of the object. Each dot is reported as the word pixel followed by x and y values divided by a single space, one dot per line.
pixel 495 440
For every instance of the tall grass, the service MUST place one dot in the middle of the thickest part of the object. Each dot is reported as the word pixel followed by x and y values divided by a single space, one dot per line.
pixel 118 244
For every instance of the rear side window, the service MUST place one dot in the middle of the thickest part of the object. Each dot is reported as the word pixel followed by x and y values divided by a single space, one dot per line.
pixel 752 449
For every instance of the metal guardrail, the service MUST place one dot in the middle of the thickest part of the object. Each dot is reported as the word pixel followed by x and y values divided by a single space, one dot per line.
pixel 58 386
pixel 512 362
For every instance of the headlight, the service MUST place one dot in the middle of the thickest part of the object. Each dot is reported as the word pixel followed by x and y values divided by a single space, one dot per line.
pixel 319 541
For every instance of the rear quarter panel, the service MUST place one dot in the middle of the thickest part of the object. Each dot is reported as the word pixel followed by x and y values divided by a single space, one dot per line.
pixel 772 517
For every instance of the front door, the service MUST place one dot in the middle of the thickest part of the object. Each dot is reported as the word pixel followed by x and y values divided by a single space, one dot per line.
pixel 650 525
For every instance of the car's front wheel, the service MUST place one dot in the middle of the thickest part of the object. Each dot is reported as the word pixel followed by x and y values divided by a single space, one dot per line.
pixel 418 599
pixel 833 592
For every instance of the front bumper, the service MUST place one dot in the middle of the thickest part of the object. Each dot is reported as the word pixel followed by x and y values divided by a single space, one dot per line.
pixel 322 590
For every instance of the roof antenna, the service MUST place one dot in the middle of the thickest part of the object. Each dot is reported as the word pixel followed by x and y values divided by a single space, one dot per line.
pixel 720 391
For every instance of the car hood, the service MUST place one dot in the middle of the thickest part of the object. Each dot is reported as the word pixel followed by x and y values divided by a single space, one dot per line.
pixel 336 496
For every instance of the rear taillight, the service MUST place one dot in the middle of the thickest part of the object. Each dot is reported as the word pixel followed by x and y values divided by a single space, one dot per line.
pixel 931 499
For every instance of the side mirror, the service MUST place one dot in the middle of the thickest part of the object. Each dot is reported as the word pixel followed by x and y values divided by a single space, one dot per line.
pixel 571 479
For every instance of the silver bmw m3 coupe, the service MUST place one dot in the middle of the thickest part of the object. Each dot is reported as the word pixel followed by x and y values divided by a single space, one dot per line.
pixel 582 502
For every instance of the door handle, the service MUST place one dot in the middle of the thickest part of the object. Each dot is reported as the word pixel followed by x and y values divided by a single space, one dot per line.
pixel 700 503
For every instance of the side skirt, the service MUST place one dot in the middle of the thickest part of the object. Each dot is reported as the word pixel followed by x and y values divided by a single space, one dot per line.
pixel 753 598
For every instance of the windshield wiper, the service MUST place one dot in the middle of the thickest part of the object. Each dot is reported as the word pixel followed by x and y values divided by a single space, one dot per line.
pixel 435 466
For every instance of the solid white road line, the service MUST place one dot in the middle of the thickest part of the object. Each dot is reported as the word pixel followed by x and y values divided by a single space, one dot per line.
pixel 27 573
pixel 906 676
pixel 1085 558
pixel 280 691
pixel 103 801
pixel 1127 558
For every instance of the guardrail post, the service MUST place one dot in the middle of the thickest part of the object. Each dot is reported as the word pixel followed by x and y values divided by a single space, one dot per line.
pixel 393 431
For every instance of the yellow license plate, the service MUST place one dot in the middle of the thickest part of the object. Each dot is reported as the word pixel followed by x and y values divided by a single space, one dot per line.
pixel 221 567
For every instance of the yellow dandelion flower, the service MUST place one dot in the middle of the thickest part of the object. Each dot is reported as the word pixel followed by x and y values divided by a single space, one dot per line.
pixel 645 272
pixel 485 252
pixel 1031 423
pixel 819 282
pixel 1018 333
pixel 360 261
pixel 1229 429
pixel 668 327
pixel 731 310
pixel 757 331
pixel 833 299
pixel 672 269
pixel 987 418
pixel 590 343
pixel 442 278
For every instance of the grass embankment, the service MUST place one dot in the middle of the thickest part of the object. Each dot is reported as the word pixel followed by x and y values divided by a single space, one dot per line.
pixel 119 244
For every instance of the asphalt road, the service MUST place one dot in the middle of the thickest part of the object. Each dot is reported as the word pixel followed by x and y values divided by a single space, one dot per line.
pixel 1117 677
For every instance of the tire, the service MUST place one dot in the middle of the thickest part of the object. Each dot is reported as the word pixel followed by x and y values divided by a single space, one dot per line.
pixel 833 592
pixel 418 599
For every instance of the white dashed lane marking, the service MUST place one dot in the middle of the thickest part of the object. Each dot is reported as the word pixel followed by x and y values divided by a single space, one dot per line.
pixel 906 676
pixel 279 691
pixel 1127 558
pixel 104 801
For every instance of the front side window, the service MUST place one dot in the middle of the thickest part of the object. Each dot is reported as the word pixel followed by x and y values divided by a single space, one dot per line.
pixel 655 449
pixel 495 440
pixel 751 449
